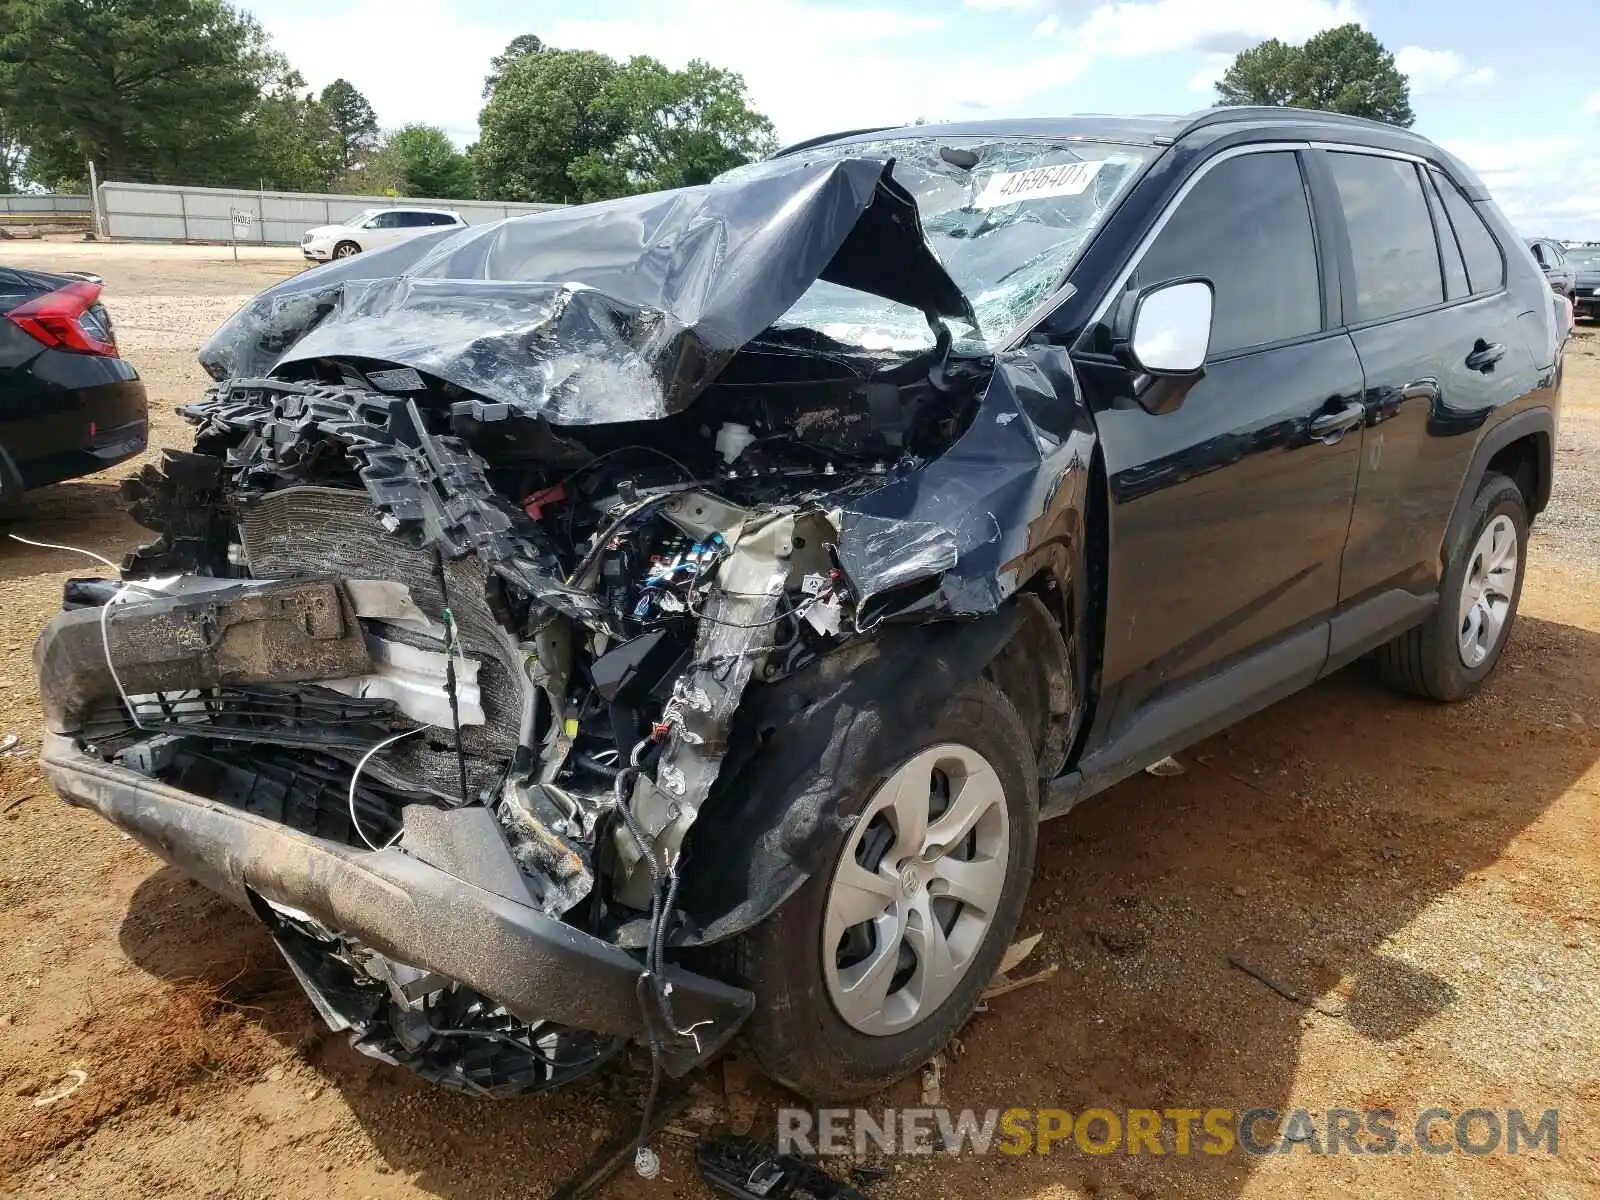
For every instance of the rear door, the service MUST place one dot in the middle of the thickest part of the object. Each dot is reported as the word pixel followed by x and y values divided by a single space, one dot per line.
pixel 1229 512
pixel 1440 348
pixel 385 229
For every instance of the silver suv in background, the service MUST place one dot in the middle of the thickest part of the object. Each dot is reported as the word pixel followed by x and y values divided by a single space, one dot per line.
pixel 375 227
pixel 1552 258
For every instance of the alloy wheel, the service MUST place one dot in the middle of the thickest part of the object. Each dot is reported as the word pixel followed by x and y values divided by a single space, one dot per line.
pixel 916 890
pixel 1486 592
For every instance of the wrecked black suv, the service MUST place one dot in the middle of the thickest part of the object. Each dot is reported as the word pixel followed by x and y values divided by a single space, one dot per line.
pixel 669 618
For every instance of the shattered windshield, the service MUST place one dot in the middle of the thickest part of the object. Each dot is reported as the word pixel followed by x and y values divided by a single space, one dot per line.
pixel 1006 217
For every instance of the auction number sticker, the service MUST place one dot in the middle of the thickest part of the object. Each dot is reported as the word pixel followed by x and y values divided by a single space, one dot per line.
pixel 1039 183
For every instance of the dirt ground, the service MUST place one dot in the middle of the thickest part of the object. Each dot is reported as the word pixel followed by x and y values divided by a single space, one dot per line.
pixel 1427 877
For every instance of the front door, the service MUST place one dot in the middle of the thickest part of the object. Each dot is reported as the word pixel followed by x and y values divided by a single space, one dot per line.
pixel 1228 514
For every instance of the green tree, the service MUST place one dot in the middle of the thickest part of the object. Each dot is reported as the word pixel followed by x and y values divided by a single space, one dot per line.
pixel 677 128
pixel 150 89
pixel 13 156
pixel 1343 70
pixel 428 163
pixel 295 146
pixel 541 118
pixel 523 43
pixel 354 120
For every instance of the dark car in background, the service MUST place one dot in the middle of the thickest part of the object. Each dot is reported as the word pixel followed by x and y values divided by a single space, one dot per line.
pixel 671 617
pixel 69 404
pixel 1552 259
pixel 1585 262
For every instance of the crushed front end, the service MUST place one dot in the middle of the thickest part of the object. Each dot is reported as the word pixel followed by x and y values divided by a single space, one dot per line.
pixel 458 606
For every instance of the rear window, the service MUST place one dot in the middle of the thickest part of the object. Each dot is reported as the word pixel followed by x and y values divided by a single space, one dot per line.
pixel 1391 235
pixel 1486 266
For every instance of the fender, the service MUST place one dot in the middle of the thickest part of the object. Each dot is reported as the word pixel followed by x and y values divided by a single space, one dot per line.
pixel 1539 422
pixel 823 735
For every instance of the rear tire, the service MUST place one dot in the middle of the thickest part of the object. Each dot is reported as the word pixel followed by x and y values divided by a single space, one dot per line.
pixel 798 1032
pixel 1440 658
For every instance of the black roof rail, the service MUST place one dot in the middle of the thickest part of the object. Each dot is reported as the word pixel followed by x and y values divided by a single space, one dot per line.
pixel 824 138
pixel 1268 112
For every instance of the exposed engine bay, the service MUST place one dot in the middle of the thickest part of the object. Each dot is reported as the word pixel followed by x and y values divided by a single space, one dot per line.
pixel 559 625
pixel 509 634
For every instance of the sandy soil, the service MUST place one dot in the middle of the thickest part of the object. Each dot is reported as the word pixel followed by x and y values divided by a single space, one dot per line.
pixel 1428 876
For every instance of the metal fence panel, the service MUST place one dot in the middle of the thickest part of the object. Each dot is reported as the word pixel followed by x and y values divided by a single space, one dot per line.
pixel 159 212
pixel 57 203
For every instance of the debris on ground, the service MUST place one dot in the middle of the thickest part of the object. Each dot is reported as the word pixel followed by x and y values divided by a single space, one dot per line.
pixel 1167 766
pixel 70 1082
pixel 1010 961
pixel 1016 952
pixel 932 1075
pixel 1288 993
pixel 748 1170
pixel 623 1148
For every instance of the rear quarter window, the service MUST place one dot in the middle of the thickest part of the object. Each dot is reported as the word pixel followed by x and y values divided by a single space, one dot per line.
pixel 1486 265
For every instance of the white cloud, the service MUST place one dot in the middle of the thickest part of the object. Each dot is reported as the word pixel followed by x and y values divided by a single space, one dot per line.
pixel 1436 70
pixel 811 66
pixel 1547 186
pixel 1127 30
pixel 814 68
pixel 1591 106
pixel 415 60
pixel 1210 72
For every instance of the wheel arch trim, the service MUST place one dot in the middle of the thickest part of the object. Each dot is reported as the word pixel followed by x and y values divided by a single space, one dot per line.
pixel 1538 424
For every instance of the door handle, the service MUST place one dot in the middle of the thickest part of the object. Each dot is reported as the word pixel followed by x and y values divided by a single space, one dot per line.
pixel 1484 356
pixel 1329 427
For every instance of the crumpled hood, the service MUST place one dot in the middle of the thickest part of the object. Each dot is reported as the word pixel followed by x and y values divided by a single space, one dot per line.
pixel 618 311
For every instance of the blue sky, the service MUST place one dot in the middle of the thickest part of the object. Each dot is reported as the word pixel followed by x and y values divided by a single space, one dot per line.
pixel 1513 88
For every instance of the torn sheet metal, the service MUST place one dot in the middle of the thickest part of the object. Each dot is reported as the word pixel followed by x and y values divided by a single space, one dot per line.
pixel 623 310
pixel 1004 502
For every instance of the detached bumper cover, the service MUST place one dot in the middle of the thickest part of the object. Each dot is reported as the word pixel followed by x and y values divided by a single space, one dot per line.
pixel 538 967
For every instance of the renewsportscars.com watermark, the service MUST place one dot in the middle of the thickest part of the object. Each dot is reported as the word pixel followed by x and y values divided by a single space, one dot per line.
pixel 1215 1131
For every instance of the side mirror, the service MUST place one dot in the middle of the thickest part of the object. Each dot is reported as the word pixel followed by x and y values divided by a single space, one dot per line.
pixel 1172 328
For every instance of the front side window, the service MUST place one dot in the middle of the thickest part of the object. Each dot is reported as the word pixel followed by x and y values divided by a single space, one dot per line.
pixel 1245 226
pixel 386 220
pixel 1391 235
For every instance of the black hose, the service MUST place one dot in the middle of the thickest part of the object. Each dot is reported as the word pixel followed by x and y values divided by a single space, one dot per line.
pixel 599 768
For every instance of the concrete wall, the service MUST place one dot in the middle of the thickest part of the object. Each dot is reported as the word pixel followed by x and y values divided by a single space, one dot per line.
pixel 158 212
pixel 57 204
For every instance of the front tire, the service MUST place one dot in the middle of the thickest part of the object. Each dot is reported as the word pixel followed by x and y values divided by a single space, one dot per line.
pixel 870 968
pixel 346 249
pixel 1450 654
